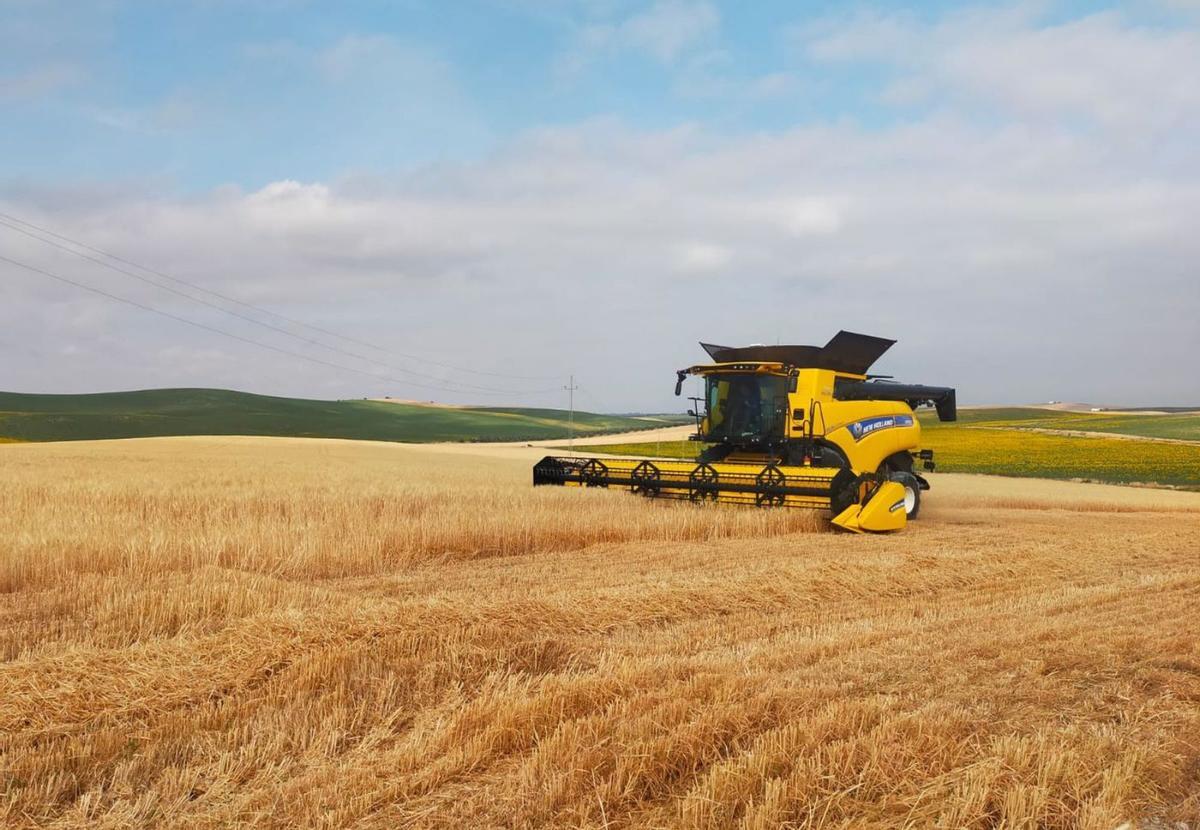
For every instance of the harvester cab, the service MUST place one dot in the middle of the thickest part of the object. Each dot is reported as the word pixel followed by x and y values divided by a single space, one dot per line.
pixel 791 426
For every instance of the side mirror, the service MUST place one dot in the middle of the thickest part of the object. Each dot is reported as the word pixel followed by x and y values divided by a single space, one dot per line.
pixel 679 378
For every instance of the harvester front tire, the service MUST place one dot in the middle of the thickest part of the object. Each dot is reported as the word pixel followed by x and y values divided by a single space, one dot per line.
pixel 912 493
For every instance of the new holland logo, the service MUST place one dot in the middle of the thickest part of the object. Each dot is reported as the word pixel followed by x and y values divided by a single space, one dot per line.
pixel 861 429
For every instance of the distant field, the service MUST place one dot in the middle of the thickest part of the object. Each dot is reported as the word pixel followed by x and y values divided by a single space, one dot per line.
pixel 1183 426
pixel 993 441
pixel 168 412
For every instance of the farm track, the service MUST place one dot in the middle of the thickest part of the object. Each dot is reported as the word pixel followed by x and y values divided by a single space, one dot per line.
pixel 203 633
pixel 1082 433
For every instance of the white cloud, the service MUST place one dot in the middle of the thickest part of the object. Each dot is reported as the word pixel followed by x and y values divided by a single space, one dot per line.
pixel 1181 5
pixel 1119 75
pixel 354 101
pixel 38 81
pixel 669 27
pixel 1042 236
pixel 665 31
pixel 774 84
pixel 354 54
pixel 174 112
pixel 983 250
pixel 802 217
pixel 697 257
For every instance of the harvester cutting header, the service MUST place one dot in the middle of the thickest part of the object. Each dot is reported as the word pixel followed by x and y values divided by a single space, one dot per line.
pixel 790 426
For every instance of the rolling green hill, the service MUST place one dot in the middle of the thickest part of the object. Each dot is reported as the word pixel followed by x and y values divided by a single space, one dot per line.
pixel 160 412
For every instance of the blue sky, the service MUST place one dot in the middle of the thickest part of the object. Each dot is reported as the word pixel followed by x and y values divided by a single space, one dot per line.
pixel 200 94
pixel 535 183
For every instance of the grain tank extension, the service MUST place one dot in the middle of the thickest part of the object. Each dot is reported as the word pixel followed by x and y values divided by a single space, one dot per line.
pixel 790 426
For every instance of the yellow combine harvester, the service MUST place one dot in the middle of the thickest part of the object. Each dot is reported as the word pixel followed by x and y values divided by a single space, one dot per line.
pixel 791 426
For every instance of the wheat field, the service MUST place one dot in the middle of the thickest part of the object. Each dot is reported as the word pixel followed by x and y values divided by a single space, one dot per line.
pixel 214 632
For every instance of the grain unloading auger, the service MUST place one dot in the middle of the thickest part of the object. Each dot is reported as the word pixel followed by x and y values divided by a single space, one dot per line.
pixel 790 426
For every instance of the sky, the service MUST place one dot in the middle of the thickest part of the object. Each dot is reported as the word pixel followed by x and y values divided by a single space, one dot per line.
pixel 471 201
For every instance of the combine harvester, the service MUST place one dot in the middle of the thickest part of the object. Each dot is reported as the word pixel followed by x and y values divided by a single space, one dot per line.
pixel 791 426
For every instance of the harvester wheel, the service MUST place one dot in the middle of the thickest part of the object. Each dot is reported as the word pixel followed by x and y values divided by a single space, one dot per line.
pixel 912 492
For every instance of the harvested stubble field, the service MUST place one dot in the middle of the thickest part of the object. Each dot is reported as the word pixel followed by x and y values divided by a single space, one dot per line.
pixel 278 632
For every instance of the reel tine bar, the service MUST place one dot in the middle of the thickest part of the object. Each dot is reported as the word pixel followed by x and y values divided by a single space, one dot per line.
pixel 703 482
pixel 771 482
pixel 647 479
pixel 594 473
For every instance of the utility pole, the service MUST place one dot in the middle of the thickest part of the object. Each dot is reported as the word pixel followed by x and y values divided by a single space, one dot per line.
pixel 571 387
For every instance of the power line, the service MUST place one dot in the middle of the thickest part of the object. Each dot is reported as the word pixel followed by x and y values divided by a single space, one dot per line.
pixel 223 333
pixel 318 343
pixel 10 218
pixel 599 404
pixel 466 386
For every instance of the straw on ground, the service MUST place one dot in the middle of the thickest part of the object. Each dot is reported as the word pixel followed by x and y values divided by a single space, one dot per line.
pixel 205 632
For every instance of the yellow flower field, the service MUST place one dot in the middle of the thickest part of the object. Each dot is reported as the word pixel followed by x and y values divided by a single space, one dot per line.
pixel 1012 452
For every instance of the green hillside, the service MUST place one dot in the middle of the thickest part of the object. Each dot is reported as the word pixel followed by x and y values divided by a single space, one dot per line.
pixel 160 412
